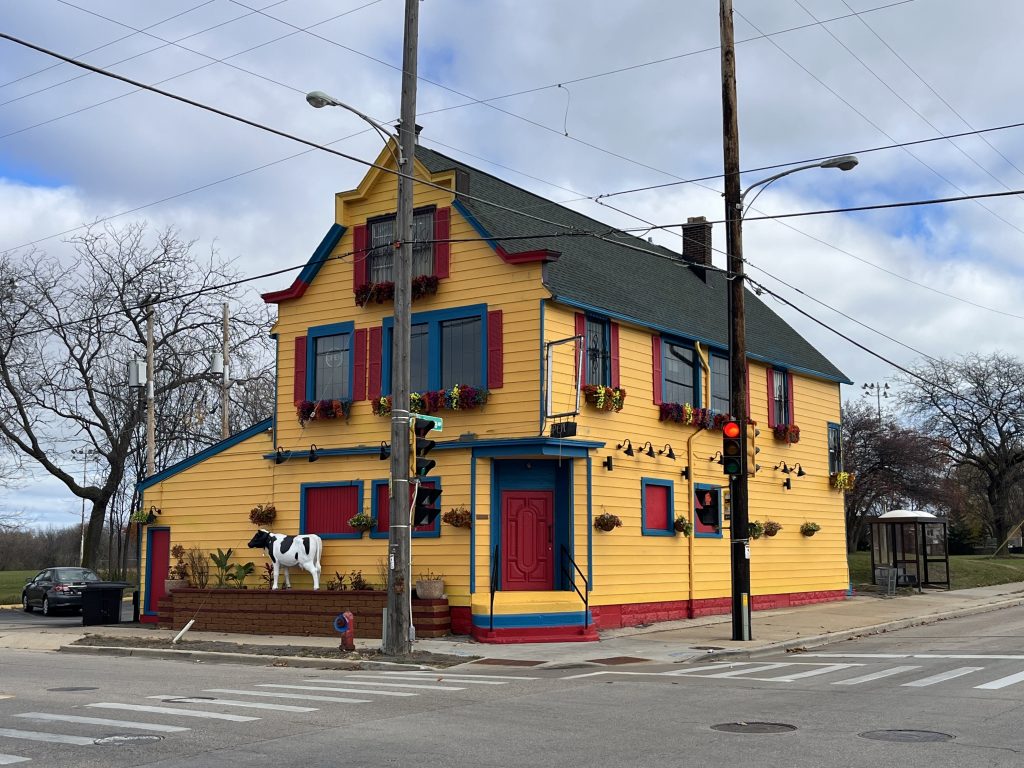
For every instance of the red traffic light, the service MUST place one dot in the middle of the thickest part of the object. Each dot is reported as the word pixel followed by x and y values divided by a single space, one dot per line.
pixel 731 429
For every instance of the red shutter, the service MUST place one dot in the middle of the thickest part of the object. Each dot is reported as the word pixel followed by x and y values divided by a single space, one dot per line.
pixel 359 271
pixel 789 395
pixel 442 248
pixel 329 508
pixel 299 387
pixel 581 330
pixel 383 509
pixel 615 354
pixel 373 366
pixel 495 362
pixel 359 365
pixel 656 359
pixel 770 372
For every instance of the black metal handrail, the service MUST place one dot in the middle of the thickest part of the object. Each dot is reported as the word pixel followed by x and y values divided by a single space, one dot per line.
pixel 585 595
pixel 494 583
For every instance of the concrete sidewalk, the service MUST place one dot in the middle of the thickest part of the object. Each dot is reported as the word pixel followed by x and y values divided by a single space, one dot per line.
pixel 676 641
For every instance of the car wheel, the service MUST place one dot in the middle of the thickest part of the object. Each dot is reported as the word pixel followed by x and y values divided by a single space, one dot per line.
pixel 24 603
pixel 46 606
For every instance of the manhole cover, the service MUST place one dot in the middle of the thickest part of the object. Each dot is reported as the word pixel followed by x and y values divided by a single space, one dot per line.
pixel 133 739
pixel 907 736
pixel 753 727
pixel 72 688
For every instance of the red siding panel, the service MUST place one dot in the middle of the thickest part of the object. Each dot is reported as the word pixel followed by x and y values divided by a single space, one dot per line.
pixel 771 397
pixel 359 365
pixel 442 250
pixel 615 354
pixel 359 240
pixel 581 330
pixel 656 359
pixel 656 511
pixel 329 508
pixel 374 363
pixel 495 350
pixel 299 386
pixel 383 509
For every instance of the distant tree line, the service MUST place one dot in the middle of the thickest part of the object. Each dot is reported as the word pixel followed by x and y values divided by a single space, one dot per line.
pixel 33 549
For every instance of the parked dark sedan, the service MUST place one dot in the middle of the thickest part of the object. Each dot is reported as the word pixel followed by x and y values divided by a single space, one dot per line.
pixel 56 588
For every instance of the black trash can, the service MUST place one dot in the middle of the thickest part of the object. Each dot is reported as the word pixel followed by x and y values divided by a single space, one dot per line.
pixel 101 602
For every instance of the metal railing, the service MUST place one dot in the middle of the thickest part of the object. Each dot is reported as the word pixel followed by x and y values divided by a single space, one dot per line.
pixel 585 595
pixel 494 583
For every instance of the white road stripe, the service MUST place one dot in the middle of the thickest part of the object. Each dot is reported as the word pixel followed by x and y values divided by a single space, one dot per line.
pixel 757 669
pixel 302 696
pixel 1002 682
pixel 173 711
pixel 438 678
pixel 964 656
pixel 706 667
pixel 876 675
pixel 12 759
pixel 50 738
pixel 822 670
pixel 232 703
pixel 856 655
pixel 45 716
pixel 941 677
pixel 471 676
pixel 349 681
pixel 362 691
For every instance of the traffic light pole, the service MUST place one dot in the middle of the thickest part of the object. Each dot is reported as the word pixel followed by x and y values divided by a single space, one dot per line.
pixel 398 636
pixel 738 498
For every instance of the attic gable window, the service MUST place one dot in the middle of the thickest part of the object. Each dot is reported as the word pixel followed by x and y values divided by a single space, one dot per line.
pixel 380 256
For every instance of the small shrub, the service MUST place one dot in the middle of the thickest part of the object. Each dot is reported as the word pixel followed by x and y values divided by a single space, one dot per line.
pixel 180 569
pixel 198 567
pixel 267 577
pixel 221 562
pixel 382 573
pixel 357 581
pixel 239 572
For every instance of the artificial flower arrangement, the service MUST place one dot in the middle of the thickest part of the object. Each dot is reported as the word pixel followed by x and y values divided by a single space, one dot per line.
pixel 843 481
pixel 317 410
pixel 422 285
pixel 787 433
pixel 461 397
pixel 604 398
pixel 684 413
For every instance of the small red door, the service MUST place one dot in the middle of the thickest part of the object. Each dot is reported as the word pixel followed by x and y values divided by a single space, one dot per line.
pixel 527 540
pixel 159 555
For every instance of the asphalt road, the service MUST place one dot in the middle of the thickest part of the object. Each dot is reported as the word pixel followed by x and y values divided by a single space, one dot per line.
pixel 959 681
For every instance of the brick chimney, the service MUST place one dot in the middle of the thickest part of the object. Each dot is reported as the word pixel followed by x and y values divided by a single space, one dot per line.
pixel 697 244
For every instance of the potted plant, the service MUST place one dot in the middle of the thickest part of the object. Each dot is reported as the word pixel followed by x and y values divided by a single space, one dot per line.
pixel 683 526
pixel 607 522
pixel 787 433
pixel 842 481
pixel 458 517
pixel 263 514
pixel 771 527
pixel 177 574
pixel 362 522
pixel 809 529
pixel 430 586
pixel 755 529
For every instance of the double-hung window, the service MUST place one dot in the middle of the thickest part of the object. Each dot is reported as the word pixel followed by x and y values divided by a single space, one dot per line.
pixel 721 395
pixel 680 381
pixel 598 351
pixel 329 363
pixel 381 236
pixel 782 408
pixel 835 448
pixel 448 348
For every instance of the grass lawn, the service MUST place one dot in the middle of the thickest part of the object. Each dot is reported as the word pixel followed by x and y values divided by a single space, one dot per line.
pixel 966 570
pixel 11 583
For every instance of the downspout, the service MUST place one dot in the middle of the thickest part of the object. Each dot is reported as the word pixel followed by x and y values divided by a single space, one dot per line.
pixel 690 483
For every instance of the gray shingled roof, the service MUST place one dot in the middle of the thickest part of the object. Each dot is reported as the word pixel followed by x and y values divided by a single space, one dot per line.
pixel 664 292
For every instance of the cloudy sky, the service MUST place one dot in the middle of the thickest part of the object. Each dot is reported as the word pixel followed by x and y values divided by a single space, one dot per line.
pixel 640 105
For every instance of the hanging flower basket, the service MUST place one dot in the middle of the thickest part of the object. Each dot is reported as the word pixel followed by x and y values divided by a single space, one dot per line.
pixel 607 522
pixel 461 397
pixel 361 522
pixel 458 517
pixel 771 527
pixel 683 526
pixel 809 529
pixel 787 433
pixel 319 410
pixel 378 293
pixel 263 514
pixel 684 413
pixel 842 481
pixel 604 398
pixel 755 529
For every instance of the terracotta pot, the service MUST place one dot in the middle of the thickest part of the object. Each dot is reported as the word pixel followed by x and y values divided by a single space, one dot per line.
pixel 430 590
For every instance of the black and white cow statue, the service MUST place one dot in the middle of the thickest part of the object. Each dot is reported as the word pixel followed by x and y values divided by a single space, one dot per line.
pixel 290 551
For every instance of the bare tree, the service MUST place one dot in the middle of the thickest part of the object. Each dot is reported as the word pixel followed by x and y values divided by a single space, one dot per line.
pixel 973 407
pixel 67 334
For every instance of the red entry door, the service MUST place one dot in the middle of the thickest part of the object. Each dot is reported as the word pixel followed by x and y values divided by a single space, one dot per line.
pixel 527 540
pixel 159 555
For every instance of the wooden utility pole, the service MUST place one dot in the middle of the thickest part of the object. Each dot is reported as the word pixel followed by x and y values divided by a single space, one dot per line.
pixel 738 497
pixel 225 382
pixel 398 637
pixel 150 396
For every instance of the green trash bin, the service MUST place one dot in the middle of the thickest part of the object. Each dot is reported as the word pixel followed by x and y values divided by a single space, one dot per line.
pixel 101 602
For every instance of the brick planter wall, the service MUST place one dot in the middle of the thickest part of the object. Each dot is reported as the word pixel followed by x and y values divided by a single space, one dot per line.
pixel 293 612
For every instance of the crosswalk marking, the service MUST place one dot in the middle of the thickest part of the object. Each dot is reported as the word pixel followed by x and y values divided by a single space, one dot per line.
pixel 103 721
pixel 706 667
pixel 302 696
pixel 350 681
pixel 12 759
pixel 877 675
pixel 1002 682
pixel 173 711
pixel 957 656
pixel 233 703
pixel 756 670
pixel 362 691
pixel 468 676
pixel 50 738
pixel 942 676
pixel 439 677
pixel 823 670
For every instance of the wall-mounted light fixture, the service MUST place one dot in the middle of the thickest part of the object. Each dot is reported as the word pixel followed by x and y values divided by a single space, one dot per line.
pixel 668 452
pixel 628 450
pixel 385 450
pixel 784 467
pixel 607 463
pixel 280 457
pixel 716 457
pixel 799 470
pixel 686 472
pixel 787 483
pixel 647 449
pixel 313 456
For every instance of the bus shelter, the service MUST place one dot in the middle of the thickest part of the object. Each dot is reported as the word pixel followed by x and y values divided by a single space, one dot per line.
pixel 909 547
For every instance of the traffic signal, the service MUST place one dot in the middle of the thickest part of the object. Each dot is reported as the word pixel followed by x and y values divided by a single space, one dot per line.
pixel 424 512
pixel 752 449
pixel 733 451
pixel 420 446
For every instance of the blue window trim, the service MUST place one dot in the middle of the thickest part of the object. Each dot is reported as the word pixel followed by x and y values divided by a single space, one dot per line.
pixel 302 507
pixel 433 533
pixel 708 487
pixel 723 355
pixel 698 394
pixel 644 528
pixel 839 446
pixel 433 321
pixel 319 331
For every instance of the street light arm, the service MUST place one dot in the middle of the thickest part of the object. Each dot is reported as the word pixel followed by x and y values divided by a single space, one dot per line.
pixel 843 163
pixel 318 99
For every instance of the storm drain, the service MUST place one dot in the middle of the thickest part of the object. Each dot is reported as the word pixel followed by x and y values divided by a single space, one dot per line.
pixel 115 741
pixel 754 727
pixel 72 688
pixel 907 736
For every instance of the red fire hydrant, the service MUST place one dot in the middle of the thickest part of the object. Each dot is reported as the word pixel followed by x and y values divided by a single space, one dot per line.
pixel 346 625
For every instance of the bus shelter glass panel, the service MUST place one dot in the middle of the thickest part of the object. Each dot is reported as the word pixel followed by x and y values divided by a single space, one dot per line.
pixel 936 560
pixel 906 555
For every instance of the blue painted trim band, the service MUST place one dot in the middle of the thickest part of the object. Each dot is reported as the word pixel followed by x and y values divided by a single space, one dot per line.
pixel 474 222
pixel 321 254
pixel 676 332
pixel 213 450
pixel 515 446
pixel 590 523
pixel 472 528
pixel 529 620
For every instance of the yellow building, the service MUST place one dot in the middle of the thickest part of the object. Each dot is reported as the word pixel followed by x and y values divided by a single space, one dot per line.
pixel 498 304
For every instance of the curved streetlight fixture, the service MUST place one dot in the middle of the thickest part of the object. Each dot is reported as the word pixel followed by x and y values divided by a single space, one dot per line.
pixel 319 100
pixel 842 162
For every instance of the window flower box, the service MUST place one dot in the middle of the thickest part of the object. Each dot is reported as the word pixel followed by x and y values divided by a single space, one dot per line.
pixel 318 410
pixel 378 293
pixel 842 481
pixel 461 397
pixel 684 413
pixel 786 433
pixel 604 398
